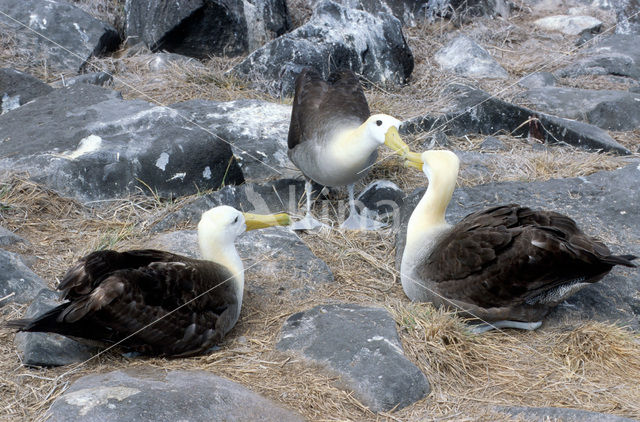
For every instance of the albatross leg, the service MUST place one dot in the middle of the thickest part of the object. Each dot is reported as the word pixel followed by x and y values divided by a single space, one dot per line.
pixel 355 221
pixel 484 327
pixel 308 222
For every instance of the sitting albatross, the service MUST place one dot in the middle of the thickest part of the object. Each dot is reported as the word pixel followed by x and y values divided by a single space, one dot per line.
pixel 333 140
pixel 156 302
pixel 506 265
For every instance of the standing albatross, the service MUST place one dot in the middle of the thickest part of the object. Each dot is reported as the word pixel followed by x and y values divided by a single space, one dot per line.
pixel 156 302
pixel 333 139
pixel 507 265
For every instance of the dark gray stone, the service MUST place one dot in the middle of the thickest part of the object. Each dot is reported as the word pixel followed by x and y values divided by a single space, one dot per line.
pixel 48 349
pixel 465 57
pixel 86 142
pixel 464 11
pixel 271 197
pixel 604 204
pixel 560 414
pixel 153 394
pixel 537 80
pixel 476 111
pixel 438 140
pixel 17 282
pixel 607 109
pixel 9 238
pixel 361 344
pixel 202 28
pixel 570 24
pixel 76 35
pixel 613 55
pixel 380 200
pixel 372 46
pixel 94 78
pixel 491 143
pixel 18 88
pixel 627 18
pixel 257 131
pixel 276 261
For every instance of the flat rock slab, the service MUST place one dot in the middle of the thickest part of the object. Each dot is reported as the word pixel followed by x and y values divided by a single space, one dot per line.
pixel 560 414
pixel 8 237
pixel 147 394
pixel 17 282
pixel 467 58
pixel 18 88
pixel 76 35
pixel 570 24
pixel 607 109
pixel 276 261
pixel 361 344
pixel 86 142
pixel 616 54
pixel 266 198
pixel 475 111
pixel 256 130
pixel 605 205
pixel 372 46
pixel 49 349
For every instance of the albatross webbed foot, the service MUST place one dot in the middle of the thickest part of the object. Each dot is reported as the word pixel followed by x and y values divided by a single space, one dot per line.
pixel 484 327
pixel 357 222
pixel 307 223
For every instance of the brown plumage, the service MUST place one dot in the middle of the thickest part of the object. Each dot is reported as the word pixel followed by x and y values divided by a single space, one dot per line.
pixel 112 295
pixel 506 263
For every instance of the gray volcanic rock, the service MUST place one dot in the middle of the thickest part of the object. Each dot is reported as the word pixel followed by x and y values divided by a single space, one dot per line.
pixel 18 88
pixel 570 24
pixel 17 282
pixel 256 130
pixel 276 261
pixel 267 198
pixel 201 28
pixel 85 141
pixel 372 46
pixel 607 109
pixel 537 80
pixel 153 394
pixel 613 55
pixel 76 35
pixel 476 111
pixel 465 57
pixel 361 344
pixel 93 78
pixel 48 349
pixel 8 237
pixel 560 414
pixel 627 18
pixel 604 204
pixel 380 200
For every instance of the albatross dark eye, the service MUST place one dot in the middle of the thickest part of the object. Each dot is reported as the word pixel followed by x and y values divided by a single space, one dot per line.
pixel 379 122
pixel 236 219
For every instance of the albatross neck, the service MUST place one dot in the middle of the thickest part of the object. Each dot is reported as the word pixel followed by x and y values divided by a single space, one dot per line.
pixel 354 145
pixel 225 254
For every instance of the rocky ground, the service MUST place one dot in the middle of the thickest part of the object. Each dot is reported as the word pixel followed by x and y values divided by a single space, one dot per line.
pixel 112 144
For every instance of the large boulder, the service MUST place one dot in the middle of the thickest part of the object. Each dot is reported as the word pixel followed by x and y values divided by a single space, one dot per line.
pixel 87 142
pixel 18 88
pixel 201 28
pixel 475 111
pixel 58 33
pixel 372 46
pixel 570 25
pixel 604 204
pixel 467 58
pixel 49 349
pixel 154 394
pixel 361 344
pixel 17 282
pixel 627 18
pixel 256 130
pixel 607 109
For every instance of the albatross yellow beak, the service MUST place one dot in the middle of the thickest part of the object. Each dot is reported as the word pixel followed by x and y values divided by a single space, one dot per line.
pixel 392 140
pixel 413 159
pixel 259 221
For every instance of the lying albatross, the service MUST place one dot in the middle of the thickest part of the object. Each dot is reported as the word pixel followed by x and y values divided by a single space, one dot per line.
pixel 333 139
pixel 506 265
pixel 156 302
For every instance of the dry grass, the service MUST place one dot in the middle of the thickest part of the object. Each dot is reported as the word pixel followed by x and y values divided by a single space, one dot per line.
pixel 592 367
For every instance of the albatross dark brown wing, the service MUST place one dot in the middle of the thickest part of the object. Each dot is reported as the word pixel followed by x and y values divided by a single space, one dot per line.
pixel 319 106
pixel 509 255
pixel 113 295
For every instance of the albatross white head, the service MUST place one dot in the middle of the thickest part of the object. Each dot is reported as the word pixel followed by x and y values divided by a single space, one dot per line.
pixel 220 226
